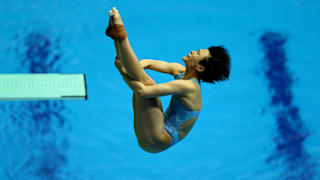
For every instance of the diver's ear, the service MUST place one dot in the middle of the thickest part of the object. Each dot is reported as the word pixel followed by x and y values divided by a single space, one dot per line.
pixel 200 68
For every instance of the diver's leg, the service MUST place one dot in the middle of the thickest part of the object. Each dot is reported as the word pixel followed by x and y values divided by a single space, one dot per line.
pixel 149 124
pixel 131 62
pixel 124 50
pixel 116 45
pixel 148 119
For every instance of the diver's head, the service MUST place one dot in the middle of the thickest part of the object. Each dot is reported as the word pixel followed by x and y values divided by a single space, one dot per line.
pixel 211 65
pixel 193 58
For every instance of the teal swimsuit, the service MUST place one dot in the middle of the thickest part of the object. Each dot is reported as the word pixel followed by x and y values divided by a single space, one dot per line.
pixel 176 115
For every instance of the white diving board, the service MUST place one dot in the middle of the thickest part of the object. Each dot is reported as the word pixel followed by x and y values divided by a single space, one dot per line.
pixel 42 86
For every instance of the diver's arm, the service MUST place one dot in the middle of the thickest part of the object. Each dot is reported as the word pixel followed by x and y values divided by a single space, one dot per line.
pixel 163 66
pixel 175 87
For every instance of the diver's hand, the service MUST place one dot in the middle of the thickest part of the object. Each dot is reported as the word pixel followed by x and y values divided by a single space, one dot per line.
pixel 144 63
pixel 120 67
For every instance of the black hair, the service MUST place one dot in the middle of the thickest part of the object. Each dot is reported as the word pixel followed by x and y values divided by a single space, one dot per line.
pixel 217 67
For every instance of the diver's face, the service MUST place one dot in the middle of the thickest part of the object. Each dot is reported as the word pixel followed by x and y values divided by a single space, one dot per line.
pixel 193 58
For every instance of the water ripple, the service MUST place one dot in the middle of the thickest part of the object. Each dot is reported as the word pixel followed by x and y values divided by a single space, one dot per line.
pixel 35 131
pixel 291 131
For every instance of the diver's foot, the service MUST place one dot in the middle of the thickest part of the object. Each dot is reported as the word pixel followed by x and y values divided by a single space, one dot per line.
pixel 116 18
pixel 116 29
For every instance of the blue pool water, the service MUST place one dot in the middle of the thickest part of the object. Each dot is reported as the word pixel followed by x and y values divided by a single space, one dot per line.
pixel 261 124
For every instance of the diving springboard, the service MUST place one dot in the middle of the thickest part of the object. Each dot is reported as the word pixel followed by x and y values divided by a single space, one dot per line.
pixel 42 86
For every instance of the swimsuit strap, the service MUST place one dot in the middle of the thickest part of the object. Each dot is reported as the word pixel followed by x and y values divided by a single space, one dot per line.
pixel 179 75
pixel 196 82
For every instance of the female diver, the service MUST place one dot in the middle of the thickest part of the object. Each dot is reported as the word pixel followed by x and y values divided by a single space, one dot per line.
pixel 154 129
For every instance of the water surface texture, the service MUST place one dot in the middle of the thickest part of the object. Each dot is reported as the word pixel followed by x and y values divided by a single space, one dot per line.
pixel 292 132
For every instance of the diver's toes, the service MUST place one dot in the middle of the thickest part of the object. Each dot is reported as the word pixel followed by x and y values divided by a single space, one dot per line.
pixel 115 10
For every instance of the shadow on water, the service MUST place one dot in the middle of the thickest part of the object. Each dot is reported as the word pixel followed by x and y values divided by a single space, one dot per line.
pixel 35 131
pixel 289 150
